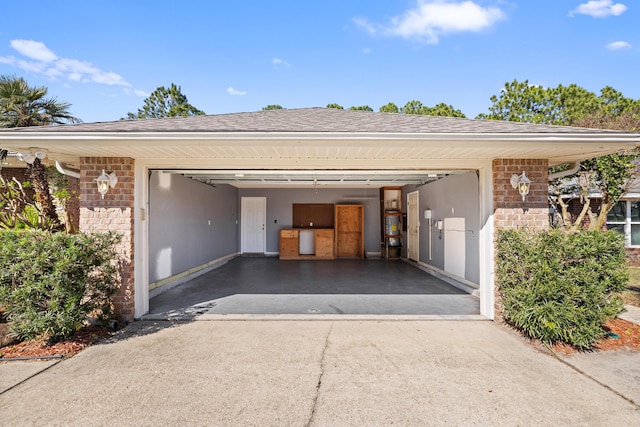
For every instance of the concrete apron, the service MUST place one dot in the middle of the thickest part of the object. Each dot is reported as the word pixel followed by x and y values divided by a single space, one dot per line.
pixel 267 288
pixel 320 373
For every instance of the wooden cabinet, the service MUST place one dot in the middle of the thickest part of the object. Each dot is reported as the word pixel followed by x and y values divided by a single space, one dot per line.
pixel 349 231
pixel 290 244
pixel 345 241
pixel 312 215
pixel 324 243
pixel 391 221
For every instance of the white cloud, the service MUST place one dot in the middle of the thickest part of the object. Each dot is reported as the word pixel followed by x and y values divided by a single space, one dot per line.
pixel 41 60
pixel 233 91
pixel 278 61
pixel 34 50
pixel 74 77
pixel 84 71
pixel 9 60
pixel 76 66
pixel 54 74
pixel 599 9
pixel 429 20
pixel 109 78
pixel 366 25
pixel 141 93
pixel 366 50
pixel 34 67
pixel 619 45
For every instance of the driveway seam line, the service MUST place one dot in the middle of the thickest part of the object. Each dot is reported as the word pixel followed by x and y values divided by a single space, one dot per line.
pixel 319 383
pixel 32 376
pixel 600 383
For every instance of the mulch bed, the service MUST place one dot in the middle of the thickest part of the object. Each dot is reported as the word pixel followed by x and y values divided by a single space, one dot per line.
pixel 82 339
pixel 627 333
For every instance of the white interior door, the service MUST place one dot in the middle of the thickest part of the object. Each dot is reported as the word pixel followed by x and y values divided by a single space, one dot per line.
pixel 253 221
pixel 413 227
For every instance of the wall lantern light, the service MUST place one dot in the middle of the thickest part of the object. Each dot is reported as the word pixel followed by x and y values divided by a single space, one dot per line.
pixel 105 182
pixel 522 183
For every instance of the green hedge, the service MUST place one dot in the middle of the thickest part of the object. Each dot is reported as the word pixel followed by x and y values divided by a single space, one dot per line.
pixel 561 287
pixel 50 283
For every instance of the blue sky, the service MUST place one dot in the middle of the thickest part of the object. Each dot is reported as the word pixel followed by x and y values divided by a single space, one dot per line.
pixel 105 57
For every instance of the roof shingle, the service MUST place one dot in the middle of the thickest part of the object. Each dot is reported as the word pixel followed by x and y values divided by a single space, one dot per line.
pixel 320 120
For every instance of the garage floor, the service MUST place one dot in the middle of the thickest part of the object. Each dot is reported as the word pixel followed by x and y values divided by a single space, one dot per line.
pixel 269 286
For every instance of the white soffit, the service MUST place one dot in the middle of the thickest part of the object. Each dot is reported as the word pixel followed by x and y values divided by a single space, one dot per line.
pixel 326 149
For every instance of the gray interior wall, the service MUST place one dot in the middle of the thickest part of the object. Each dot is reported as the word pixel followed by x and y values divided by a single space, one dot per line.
pixel 190 224
pixel 280 209
pixel 455 196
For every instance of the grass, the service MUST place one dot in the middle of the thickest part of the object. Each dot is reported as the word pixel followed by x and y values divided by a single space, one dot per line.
pixel 632 294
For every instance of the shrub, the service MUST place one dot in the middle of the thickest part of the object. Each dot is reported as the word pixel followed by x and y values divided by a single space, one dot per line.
pixel 51 282
pixel 18 210
pixel 561 287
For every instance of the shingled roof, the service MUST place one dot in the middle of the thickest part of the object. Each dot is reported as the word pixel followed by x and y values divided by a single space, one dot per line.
pixel 317 120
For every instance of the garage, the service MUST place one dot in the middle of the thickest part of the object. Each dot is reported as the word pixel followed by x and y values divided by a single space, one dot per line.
pixel 197 217
pixel 178 185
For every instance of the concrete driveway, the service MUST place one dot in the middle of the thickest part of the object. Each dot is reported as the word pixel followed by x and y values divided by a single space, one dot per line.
pixel 320 373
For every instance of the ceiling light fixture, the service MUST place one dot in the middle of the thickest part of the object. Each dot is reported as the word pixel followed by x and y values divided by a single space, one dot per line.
pixel 30 157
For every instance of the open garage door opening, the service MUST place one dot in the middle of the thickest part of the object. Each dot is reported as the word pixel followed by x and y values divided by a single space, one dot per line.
pixel 203 255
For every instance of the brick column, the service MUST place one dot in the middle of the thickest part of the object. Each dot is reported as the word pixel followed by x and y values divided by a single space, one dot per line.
pixel 113 213
pixel 510 211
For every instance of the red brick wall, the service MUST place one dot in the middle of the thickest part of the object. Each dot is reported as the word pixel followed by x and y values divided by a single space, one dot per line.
pixel 575 207
pixel 633 256
pixel 21 175
pixel 510 211
pixel 113 213
pixel 73 206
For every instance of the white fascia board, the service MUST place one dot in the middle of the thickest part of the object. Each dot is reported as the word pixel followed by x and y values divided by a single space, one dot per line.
pixel 613 137
pixel 69 140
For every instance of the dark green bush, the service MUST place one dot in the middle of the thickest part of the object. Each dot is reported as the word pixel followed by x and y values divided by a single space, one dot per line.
pixel 561 287
pixel 50 283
